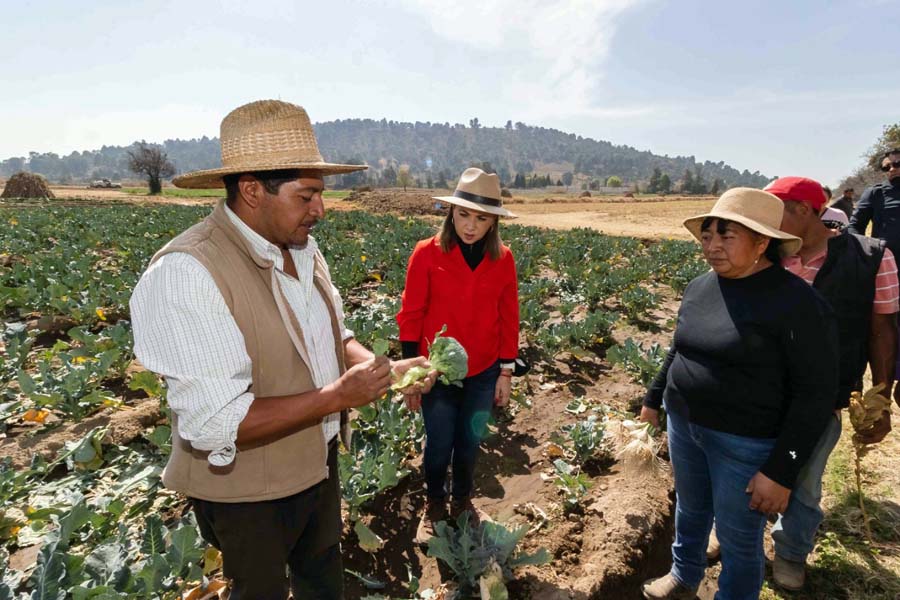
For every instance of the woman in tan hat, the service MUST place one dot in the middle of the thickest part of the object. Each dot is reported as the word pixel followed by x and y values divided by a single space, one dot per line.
pixel 464 278
pixel 748 387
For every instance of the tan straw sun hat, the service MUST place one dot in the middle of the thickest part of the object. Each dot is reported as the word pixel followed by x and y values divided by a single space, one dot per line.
pixel 267 135
pixel 754 209
pixel 477 190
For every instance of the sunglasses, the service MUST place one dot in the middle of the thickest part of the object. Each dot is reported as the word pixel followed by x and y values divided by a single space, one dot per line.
pixel 894 164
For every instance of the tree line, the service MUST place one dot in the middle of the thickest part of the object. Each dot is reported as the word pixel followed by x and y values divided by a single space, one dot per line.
pixel 431 154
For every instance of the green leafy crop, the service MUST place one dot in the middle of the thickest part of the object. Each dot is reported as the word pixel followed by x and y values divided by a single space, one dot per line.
pixel 447 357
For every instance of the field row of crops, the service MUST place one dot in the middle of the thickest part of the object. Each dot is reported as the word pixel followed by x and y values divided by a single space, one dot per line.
pixel 66 275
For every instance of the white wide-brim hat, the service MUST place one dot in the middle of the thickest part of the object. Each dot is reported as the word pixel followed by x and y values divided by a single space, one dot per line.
pixel 477 190
pixel 756 210
pixel 267 135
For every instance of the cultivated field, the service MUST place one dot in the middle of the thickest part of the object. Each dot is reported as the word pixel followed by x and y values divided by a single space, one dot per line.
pixel 85 429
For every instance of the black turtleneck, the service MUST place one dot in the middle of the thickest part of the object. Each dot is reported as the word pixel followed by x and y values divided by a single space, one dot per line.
pixel 754 357
pixel 473 253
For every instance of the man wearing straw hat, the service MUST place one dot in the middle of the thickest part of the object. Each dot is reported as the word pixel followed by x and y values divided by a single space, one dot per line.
pixel 239 314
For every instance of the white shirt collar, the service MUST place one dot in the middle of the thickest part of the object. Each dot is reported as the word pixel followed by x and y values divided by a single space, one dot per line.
pixel 266 248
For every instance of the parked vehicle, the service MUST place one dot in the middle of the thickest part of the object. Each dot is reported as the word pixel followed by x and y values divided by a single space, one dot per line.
pixel 105 184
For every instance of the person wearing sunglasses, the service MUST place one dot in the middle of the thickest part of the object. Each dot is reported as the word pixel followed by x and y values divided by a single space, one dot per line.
pixel 880 205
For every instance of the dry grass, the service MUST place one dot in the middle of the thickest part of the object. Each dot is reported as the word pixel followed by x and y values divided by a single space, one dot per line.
pixel 844 566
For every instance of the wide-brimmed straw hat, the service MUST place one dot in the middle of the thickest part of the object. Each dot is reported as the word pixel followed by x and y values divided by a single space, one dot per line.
pixel 477 190
pixel 754 209
pixel 267 135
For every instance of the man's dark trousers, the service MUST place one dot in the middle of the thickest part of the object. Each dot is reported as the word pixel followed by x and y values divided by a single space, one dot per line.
pixel 258 540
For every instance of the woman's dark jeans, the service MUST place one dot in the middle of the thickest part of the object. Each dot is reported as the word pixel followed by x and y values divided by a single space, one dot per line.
pixel 455 421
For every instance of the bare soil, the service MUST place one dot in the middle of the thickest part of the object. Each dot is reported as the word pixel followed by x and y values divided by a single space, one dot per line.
pixel 619 538
pixel 646 218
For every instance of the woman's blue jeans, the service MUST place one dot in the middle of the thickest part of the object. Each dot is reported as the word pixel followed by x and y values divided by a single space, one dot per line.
pixel 712 470
pixel 455 421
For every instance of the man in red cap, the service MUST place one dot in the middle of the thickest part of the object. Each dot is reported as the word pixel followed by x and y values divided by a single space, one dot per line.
pixel 858 277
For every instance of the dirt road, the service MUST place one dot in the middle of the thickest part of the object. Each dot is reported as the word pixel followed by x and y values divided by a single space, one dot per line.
pixel 651 218
pixel 636 218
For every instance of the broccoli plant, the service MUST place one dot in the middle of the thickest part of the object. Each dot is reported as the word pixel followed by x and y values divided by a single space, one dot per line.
pixel 447 357
pixel 476 554
pixel 641 364
pixel 571 482
pixel 586 438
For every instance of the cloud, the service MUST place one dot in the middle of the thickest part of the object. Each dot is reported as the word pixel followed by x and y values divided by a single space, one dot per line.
pixel 560 48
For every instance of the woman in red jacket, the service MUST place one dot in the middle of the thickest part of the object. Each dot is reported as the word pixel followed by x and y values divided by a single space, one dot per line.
pixel 464 278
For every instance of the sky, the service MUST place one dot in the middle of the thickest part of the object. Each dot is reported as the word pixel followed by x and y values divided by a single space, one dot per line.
pixel 786 88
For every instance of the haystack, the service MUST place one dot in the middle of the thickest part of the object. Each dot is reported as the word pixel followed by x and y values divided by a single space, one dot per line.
pixel 26 185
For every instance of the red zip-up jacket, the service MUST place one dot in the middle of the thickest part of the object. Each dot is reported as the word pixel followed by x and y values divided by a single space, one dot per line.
pixel 480 307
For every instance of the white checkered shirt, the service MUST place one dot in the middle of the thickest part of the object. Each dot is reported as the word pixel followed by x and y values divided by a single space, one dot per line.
pixel 184 331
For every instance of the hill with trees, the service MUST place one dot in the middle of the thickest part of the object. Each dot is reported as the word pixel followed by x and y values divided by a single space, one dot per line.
pixel 869 173
pixel 433 155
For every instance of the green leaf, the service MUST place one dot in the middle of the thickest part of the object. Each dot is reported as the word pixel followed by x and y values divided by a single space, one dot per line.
pixel 47 579
pixel 79 516
pixel 541 557
pixel 26 383
pixel 152 574
pixel 380 347
pixel 107 564
pixel 411 376
pixel 183 550
pixel 161 437
pixel 154 541
pixel 368 539
pixel 148 382
pixel 370 583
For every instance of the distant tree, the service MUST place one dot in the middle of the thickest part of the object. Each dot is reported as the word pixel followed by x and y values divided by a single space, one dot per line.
pixel 441 182
pixel 508 126
pixel 389 176
pixel 613 181
pixel 429 182
pixel 716 186
pixel 595 185
pixel 687 182
pixel 485 166
pixel 559 183
pixel 665 184
pixel 153 163
pixel 12 165
pixel 503 173
pixel 404 178
pixel 474 124
pixel 699 186
pixel 890 139
pixel 567 179
pixel 519 181
pixel 653 185
pixel 355 179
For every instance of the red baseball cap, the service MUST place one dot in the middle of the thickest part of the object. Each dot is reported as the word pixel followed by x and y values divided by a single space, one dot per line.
pixel 798 189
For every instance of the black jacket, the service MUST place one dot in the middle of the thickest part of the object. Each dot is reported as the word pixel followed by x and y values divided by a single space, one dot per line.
pixel 880 204
pixel 847 281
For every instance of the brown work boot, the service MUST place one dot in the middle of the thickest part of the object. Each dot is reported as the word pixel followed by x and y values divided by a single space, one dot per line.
pixel 789 574
pixel 435 510
pixel 476 515
pixel 713 548
pixel 667 588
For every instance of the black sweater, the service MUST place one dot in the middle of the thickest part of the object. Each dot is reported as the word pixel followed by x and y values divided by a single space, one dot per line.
pixel 756 357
